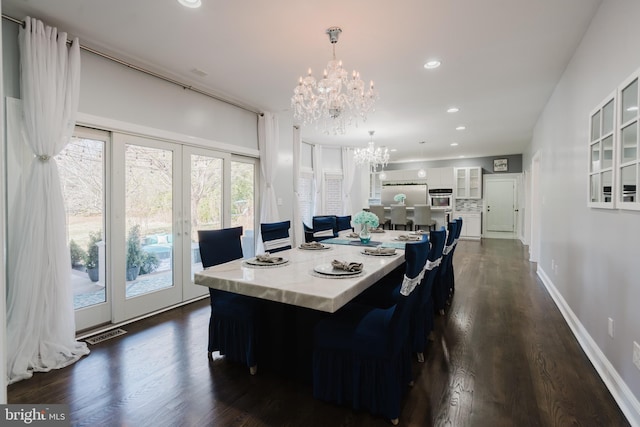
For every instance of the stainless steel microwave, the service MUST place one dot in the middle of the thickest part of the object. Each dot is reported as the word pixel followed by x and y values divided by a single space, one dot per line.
pixel 441 197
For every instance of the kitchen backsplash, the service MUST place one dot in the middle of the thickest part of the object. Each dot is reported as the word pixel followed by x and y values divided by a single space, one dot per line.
pixel 468 205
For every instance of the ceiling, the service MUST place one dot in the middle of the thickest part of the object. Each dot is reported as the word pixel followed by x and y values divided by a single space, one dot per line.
pixel 501 59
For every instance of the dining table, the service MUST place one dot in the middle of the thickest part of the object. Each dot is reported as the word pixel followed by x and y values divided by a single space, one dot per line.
pixel 302 279
pixel 301 288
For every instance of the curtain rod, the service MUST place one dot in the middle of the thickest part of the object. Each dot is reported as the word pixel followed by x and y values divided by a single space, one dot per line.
pixel 150 73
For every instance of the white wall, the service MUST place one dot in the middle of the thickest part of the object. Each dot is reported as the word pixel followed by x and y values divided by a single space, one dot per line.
pixel 596 250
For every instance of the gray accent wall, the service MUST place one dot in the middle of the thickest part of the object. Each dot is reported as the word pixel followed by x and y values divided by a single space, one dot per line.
pixel 514 163
pixel 595 250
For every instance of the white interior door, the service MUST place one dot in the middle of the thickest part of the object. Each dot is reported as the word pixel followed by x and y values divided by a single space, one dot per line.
pixel 500 204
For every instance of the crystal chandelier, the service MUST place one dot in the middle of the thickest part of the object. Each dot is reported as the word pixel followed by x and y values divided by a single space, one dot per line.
pixel 335 101
pixel 371 155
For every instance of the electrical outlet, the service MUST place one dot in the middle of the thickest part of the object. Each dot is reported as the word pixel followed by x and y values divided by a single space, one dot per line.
pixel 610 327
pixel 636 354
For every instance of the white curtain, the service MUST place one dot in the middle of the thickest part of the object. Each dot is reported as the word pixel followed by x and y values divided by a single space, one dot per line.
pixel 268 134
pixel 317 180
pixel 348 173
pixel 298 230
pixel 40 316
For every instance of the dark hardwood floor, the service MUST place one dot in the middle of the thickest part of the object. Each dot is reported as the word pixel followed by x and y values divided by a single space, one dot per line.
pixel 502 356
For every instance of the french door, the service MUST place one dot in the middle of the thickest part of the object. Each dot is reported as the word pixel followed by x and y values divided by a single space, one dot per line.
pixel 159 194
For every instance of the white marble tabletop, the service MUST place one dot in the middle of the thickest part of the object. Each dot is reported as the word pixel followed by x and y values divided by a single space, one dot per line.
pixel 296 283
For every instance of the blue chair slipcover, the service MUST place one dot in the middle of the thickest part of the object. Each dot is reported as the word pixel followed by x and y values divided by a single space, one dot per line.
pixel 422 322
pixel 233 322
pixel 323 227
pixel 442 284
pixel 362 354
pixel 343 223
pixel 275 236
pixel 451 282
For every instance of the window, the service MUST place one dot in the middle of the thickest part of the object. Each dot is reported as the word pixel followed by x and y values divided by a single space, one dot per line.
pixel 601 155
pixel 628 159
pixel 305 187
pixel 333 193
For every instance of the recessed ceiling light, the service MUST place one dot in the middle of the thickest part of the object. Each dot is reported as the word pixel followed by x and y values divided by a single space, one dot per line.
pixel 191 3
pixel 430 65
pixel 461 156
pixel 453 110
pixel 393 150
pixel 454 144
pixel 634 108
pixel 461 128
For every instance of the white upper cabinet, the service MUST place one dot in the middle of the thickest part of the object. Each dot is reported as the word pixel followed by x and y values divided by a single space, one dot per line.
pixel 468 182
pixel 404 176
pixel 440 178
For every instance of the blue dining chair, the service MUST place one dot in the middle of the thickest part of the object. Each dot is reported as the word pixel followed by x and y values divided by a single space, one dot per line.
pixel 442 285
pixel 343 223
pixel 275 236
pixel 451 280
pixel 422 322
pixel 362 354
pixel 323 227
pixel 234 317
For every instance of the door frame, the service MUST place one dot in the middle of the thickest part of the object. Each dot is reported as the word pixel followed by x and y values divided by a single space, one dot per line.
pixel 516 178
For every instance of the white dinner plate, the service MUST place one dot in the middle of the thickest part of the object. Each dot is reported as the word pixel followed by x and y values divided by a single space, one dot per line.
pixel 379 254
pixel 328 270
pixel 324 247
pixel 254 261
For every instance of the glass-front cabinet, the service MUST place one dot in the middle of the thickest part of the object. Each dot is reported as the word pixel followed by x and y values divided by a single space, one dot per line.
pixel 601 155
pixel 468 183
pixel 628 159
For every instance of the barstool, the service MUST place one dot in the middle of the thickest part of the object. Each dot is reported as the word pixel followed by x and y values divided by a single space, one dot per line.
pixel 422 216
pixel 399 217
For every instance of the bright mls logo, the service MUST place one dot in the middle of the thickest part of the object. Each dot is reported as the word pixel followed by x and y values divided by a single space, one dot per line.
pixel 35 415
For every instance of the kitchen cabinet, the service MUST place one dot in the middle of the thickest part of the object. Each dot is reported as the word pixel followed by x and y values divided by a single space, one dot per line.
pixel 440 178
pixel 403 176
pixel 468 182
pixel 471 225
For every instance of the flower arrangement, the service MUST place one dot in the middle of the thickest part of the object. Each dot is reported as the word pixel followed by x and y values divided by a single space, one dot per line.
pixel 366 218
pixel 400 197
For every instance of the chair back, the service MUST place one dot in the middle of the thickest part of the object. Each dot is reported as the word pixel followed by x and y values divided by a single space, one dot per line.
pixel 378 210
pixel 344 223
pixel 436 239
pixel 415 255
pixel 446 254
pixel 275 236
pixel 398 214
pixel 324 227
pixel 422 214
pixel 459 229
pixel 220 246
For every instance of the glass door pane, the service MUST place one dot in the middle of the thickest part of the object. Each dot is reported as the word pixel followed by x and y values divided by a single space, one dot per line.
pixel 205 202
pixel 82 166
pixel 242 203
pixel 149 219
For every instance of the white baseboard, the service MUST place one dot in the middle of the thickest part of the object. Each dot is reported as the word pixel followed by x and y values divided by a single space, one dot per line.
pixel 627 402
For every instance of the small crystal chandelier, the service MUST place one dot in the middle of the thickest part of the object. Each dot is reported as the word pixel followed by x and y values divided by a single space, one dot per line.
pixel 371 155
pixel 335 101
